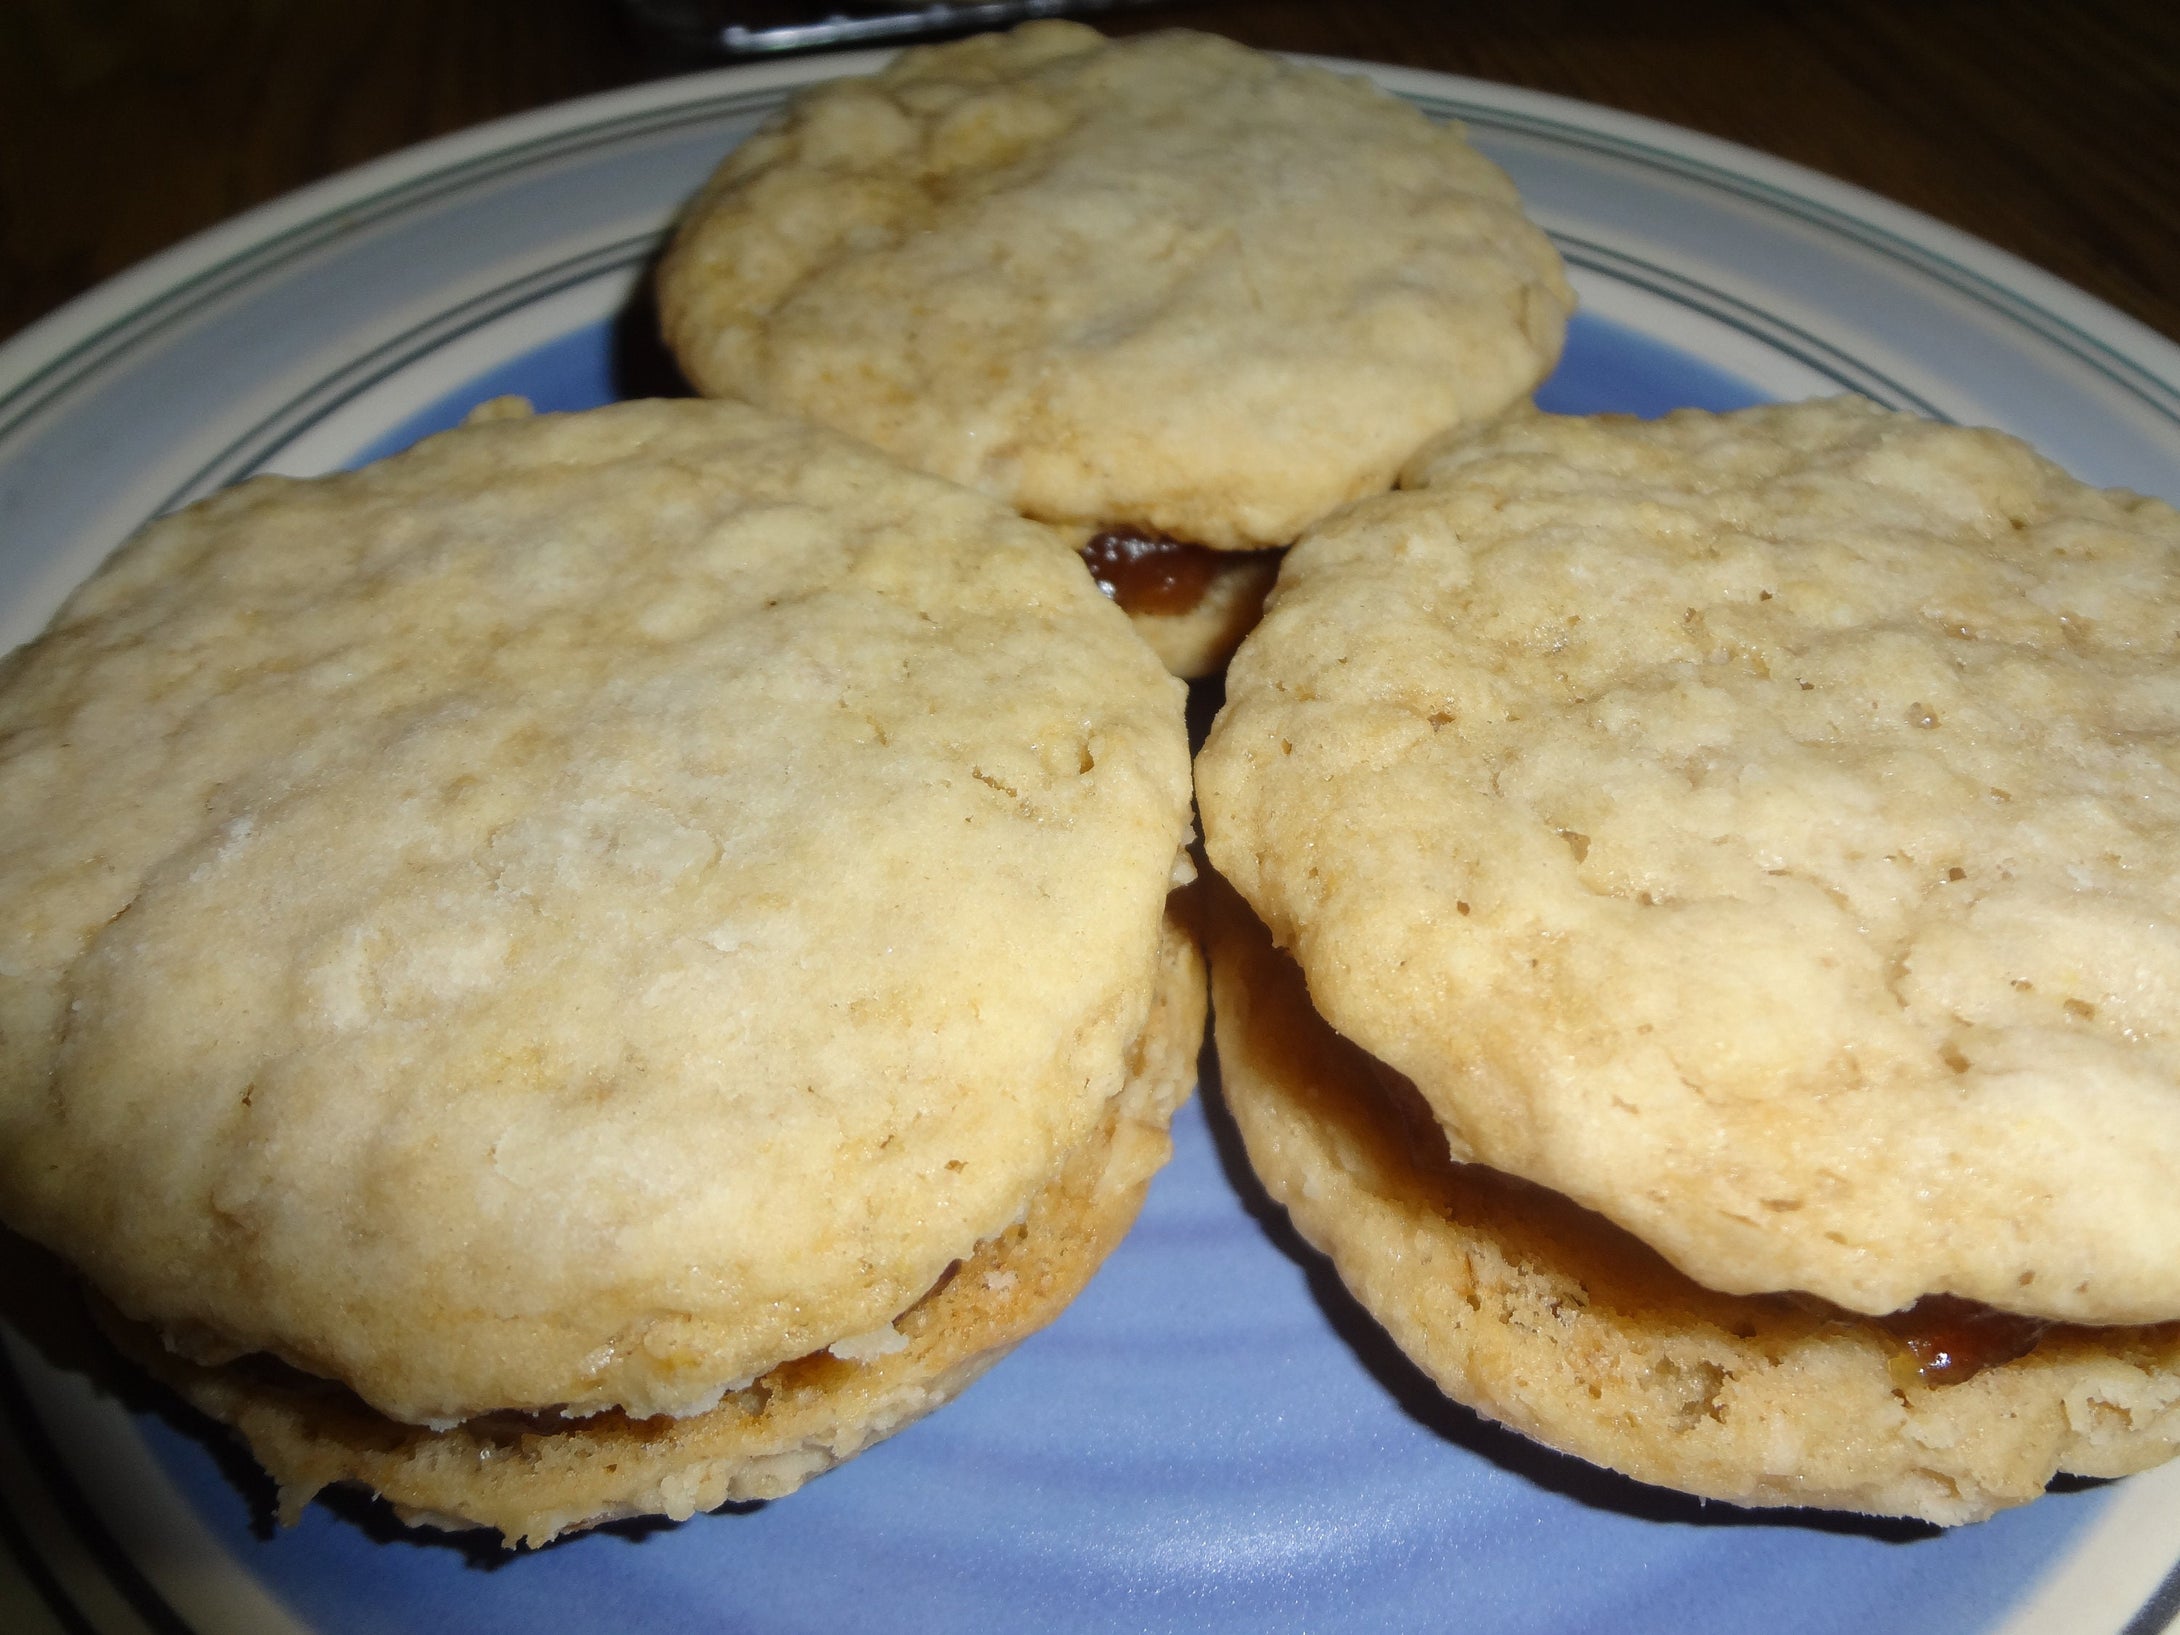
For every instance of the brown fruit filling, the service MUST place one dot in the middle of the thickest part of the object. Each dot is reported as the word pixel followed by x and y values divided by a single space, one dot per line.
pixel 1943 1339
pixel 1950 1339
pixel 1151 573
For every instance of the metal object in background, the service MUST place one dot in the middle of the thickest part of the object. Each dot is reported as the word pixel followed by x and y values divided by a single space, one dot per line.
pixel 752 28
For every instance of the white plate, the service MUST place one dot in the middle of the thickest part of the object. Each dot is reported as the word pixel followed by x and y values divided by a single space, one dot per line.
pixel 1213 1437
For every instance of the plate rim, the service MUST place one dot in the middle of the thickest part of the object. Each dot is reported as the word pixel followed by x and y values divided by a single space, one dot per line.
pixel 99 321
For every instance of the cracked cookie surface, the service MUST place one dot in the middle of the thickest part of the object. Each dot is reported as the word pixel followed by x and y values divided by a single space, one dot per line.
pixel 1760 828
pixel 1165 282
pixel 573 916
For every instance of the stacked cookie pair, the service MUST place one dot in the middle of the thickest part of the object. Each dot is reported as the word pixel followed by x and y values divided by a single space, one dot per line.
pixel 605 963
pixel 593 968
pixel 1176 298
pixel 1725 873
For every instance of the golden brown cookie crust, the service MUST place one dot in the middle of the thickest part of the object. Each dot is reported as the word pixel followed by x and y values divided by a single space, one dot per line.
pixel 1762 828
pixel 1164 281
pixel 1549 1319
pixel 533 1480
pixel 573 916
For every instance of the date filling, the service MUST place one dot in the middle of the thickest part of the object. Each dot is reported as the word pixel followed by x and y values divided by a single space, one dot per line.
pixel 1941 1339
pixel 1147 572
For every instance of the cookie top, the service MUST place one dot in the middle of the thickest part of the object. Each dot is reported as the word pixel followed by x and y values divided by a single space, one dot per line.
pixel 575 914
pixel 1763 828
pixel 1166 281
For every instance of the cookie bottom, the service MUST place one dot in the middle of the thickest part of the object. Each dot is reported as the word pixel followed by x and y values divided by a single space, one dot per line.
pixel 534 1477
pixel 1549 1319
pixel 1198 641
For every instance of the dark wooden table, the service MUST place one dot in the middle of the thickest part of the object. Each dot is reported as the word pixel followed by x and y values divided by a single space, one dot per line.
pixel 2051 129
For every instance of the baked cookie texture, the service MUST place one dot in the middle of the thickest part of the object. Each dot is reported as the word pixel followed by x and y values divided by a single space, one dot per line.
pixel 533 1477
pixel 576 916
pixel 1165 282
pixel 1549 1319
pixel 1759 828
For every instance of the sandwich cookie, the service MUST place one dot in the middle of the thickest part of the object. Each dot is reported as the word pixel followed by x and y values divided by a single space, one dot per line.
pixel 1745 844
pixel 1178 296
pixel 593 967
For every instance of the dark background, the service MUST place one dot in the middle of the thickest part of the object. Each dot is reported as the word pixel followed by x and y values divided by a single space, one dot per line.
pixel 2049 127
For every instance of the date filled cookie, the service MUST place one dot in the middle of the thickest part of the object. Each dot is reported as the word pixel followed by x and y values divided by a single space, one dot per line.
pixel 1759 831
pixel 1177 295
pixel 1548 1318
pixel 636 930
